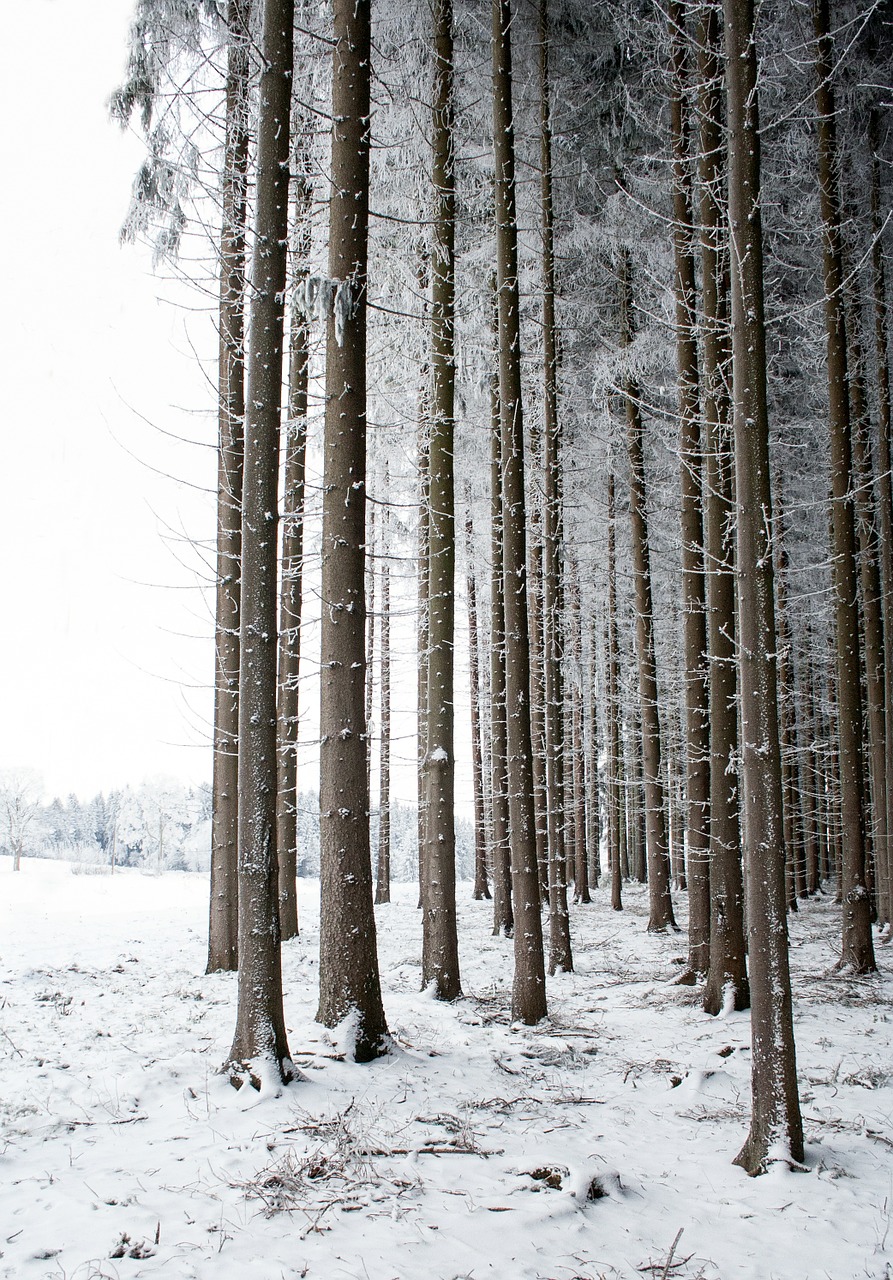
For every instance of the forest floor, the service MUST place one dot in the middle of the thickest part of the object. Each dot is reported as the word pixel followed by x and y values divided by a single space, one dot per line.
pixel 467 1152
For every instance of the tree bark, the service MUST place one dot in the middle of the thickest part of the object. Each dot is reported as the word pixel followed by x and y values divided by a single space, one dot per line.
pixel 223 931
pixel 383 866
pixel 857 950
pixel 529 984
pixel 776 1128
pixel 440 948
pixel 616 816
pixel 259 1046
pixel 697 718
pixel 503 919
pixel 727 970
pixel 657 850
pixel 348 978
pixel 885 491
pixel 292 577
pixel 481 887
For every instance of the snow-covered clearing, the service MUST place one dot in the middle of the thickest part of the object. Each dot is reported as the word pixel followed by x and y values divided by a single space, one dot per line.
pixel 120 1138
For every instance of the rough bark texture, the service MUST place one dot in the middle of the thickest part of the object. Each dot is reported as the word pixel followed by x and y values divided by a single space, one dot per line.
pixel 857 951
pixel 503 920
pixel 223 931
pixel 872 634
pixel 657 848
pixel 259 1046
pixel 560 953
pixel 727 970
pixel 292 577
pixel 529 984
pixel 348 964
pixel 776 1128
pixel 481 887
pixel 440 948
pixel 383 865
pixel 616 817
pixel 697 720
pixel 885 494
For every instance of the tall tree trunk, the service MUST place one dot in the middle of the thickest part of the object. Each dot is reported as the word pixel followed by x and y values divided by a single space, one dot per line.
pixel 786 707
pixel 369 688
pixel 592 781
pixel 503 919
pixel 481 887
pixel 383 866
pixel 440 947
pixel 577 751
pixel 809 772
pixel 560 953
pixel 872 646
pixel 885 490
pixel 223 932
pixel 727 970
pixel 529 984
pixel 657 850
pixel 259 1046
pixel 776 1128
pixel 857 951
pixel 697 719
pixel 292 577
pixel 538 692
pixel 422 534
pixel 616 817
pixel 348 959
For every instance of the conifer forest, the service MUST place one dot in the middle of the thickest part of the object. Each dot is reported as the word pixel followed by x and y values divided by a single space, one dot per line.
pixel 536 921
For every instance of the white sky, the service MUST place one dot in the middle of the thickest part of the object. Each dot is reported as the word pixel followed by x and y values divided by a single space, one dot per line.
pixel 101 675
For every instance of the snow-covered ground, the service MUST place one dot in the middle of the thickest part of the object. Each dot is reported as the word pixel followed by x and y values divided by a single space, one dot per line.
pixel 467 1152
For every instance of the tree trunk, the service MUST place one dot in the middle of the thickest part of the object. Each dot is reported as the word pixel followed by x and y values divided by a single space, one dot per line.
pixel 776 1129
pixel 292 575
pixel 657 851
pixel 872 632
pixel 529 984
pixel 697 719
pixel 727 970
pixel 560 953
pixel 369 689
pixel 440 948
pixel 503 920
pixel 577 751
pixel 383 868
pixel 481 887
pixel 348 962
pixel 857 951
pixel 616 816
pixel 885 493
pixel 223 931
pixel 424 429
pixel 538 693
pixel 259 1046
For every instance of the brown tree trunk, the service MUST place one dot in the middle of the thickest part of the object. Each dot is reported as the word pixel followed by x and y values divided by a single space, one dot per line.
pixel 697 719
pixel 727 970
pixel 440 947
pixel 857 951
pixel 577 752
pixel 422 534
pixel 529 985
pixel 223 931
pixel 885 492
pixel 259 1046
pixel 657 848
pixel 503 920
pixel 872 630
pixel 776 1129
pixel 291 582
pixel 383 866
pixel 348 959
pixel 560 952
pixel 616 815
pixel 481 887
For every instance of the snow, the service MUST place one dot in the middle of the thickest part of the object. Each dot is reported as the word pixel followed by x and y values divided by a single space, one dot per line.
pixel 472 1149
